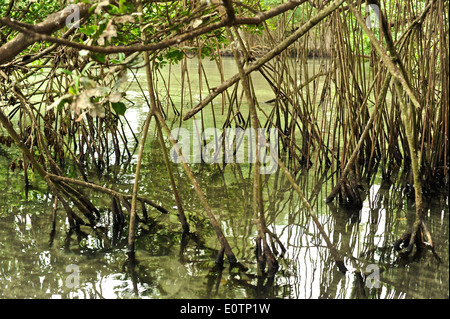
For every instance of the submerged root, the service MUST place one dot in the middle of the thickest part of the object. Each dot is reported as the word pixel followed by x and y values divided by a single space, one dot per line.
pixel 265 254
pixel 418 236
pixel 348 192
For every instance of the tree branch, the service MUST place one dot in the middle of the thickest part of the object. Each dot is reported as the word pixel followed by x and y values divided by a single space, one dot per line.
pixel 36 32
pixel 56 21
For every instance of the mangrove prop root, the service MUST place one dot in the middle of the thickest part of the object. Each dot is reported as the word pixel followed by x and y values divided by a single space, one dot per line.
pixel 416 236
pixel 348 193
pixel 402 85
pixel 265 256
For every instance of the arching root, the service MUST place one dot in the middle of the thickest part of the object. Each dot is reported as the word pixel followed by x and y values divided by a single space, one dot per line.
pixel 265 254
pixel 348 193
pixel 418 236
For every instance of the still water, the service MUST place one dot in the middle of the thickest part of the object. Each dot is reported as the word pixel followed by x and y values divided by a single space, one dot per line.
pixel 92 263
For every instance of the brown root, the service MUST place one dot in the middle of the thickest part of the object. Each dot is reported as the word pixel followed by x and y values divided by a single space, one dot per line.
pixel 348 193
pixel 419 236
pixel 265 254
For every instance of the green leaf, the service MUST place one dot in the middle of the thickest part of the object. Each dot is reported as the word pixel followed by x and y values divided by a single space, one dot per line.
pixel 89 30
pixel 119 107
pixel 175 55
pixel 120 59
pixel 87 67
pixel 65 71
pixel 92 9
pixel 72 91
pixel 99 57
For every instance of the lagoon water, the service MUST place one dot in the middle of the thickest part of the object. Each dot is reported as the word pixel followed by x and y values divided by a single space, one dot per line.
pixel 93 263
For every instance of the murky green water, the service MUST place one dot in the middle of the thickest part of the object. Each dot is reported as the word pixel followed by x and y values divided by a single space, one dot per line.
pixel 93 263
